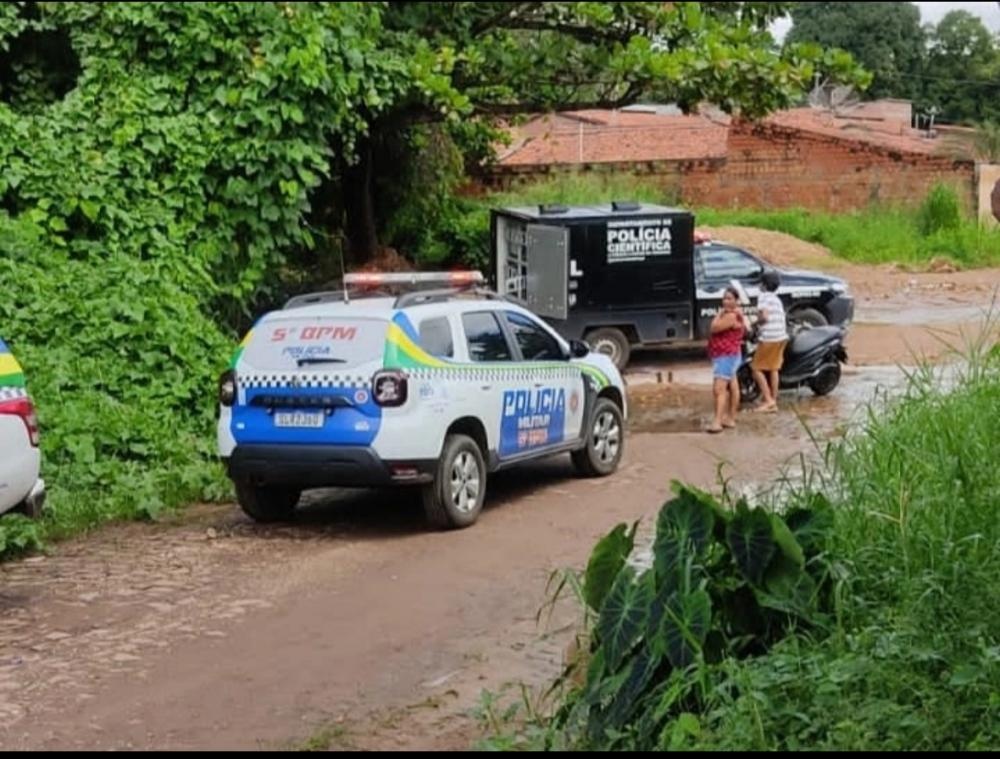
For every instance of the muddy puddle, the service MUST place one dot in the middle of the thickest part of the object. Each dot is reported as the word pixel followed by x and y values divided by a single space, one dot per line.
pixel 682 406
pixel 929 314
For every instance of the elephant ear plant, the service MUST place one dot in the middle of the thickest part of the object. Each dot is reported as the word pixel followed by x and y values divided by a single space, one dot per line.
pixel 723 583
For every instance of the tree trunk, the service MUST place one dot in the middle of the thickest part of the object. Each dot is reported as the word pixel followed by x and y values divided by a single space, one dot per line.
pixel 359 206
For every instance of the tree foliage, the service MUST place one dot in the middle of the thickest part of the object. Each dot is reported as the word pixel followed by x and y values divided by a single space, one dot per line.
pixel 165 169
pixel 884 37
pixel 963 63
pixel 949 69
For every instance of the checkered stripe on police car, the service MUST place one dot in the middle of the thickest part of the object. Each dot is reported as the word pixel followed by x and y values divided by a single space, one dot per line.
pixel 12 393
pixel 493 374
pixel 253 381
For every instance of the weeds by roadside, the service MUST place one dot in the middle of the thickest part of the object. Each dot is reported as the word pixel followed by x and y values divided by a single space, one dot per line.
pixel 905 651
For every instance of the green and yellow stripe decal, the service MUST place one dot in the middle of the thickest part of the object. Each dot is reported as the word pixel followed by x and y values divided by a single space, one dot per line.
pixel 11 374
pixel 239 351
pixel 403 352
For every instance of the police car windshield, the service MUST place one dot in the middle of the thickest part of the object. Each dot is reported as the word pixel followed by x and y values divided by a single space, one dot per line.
pixel 303 342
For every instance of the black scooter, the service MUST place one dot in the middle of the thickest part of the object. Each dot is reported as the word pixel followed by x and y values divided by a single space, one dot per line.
pixel 812 357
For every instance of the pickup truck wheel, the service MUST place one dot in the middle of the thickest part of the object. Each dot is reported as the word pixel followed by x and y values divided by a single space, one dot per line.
pixel 611 342
pixel 805 318
pixel 455 498
pixel 605 441
pixel 267 503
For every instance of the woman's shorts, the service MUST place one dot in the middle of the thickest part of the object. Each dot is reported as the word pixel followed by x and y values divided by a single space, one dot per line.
pixel 724 367
pixel 770 357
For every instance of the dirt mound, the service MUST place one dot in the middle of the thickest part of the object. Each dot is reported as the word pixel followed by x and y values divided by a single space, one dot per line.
pixel 387 260
pixel 776 248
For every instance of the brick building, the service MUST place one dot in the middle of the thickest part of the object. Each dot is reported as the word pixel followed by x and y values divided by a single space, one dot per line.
pixel 802 157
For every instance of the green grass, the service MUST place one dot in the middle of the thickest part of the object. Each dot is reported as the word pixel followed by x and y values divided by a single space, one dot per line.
pixel 911 660
pixel 915 660
pixel 874 236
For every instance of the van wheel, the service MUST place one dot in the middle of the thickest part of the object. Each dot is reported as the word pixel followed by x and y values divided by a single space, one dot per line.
pixel 455 498
pixel 611 342
pixel 605 441
pixel 267 503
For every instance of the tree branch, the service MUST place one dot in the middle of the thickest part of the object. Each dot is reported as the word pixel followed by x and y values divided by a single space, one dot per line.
pixel 489 23
pixel 584 34
pixel 514 109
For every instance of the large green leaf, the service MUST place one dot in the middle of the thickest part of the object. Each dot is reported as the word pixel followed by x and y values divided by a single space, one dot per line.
pixel 786 541
pixel 623 616
pixel 606 560
pixel 750 538
pixel 811 526
pixel 685 626
pixel 640 673
pixel 682 489
pixel 684 525
pixel 788 588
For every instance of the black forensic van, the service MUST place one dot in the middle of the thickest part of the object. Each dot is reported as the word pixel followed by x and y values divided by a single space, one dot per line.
pixel 630 275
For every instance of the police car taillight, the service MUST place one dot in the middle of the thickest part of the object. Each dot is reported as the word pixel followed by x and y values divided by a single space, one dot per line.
pixel 24 408
pixel 389 388
pixel 227 388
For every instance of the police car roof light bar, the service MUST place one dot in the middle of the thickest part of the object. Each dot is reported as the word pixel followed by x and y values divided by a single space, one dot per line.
pixel 453 278
pixel 457 281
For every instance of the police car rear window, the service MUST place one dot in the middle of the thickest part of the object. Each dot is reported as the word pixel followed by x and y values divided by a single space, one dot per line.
pixel 485 339
pixel 320 343
pixel 435 337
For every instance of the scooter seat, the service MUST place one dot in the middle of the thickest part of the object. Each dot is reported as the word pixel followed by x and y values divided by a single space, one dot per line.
pixel 810 339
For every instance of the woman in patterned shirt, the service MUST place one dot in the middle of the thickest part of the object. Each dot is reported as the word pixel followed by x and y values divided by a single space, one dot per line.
pixel 725 348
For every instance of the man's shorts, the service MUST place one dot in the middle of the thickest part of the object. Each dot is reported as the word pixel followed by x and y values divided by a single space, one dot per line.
pixel 770 357
pixel 725 367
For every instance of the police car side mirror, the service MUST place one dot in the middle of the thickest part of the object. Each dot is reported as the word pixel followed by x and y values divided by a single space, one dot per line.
pixel 579 349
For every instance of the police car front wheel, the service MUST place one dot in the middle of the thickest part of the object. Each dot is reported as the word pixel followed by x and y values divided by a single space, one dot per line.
pixel 455 498
pixel 267 503
pixel 605 441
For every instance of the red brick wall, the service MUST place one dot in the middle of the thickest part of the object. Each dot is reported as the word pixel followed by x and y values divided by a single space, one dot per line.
pixel 773 167
pixel 776 167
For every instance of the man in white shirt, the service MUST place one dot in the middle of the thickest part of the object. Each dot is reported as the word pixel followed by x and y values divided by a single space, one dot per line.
pixel 773 336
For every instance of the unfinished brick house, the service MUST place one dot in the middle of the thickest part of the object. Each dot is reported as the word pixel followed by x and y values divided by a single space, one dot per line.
pixel 803 157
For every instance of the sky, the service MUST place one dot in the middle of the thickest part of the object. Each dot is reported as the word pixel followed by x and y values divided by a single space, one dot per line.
pixel 930 13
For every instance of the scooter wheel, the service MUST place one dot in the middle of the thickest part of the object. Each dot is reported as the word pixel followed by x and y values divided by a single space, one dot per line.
pixel 826 379
pixel 749 389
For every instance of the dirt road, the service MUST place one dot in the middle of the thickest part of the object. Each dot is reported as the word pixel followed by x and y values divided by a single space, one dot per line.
pixel 355 626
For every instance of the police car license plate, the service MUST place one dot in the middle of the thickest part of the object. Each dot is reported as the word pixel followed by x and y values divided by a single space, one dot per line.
pixel 312 419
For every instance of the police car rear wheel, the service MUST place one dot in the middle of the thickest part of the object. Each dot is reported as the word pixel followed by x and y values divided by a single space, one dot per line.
pixel 267 503
pixel 455 498
pixel 605 441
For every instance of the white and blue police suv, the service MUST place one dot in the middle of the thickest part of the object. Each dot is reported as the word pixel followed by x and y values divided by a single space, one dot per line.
pixel 388 382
